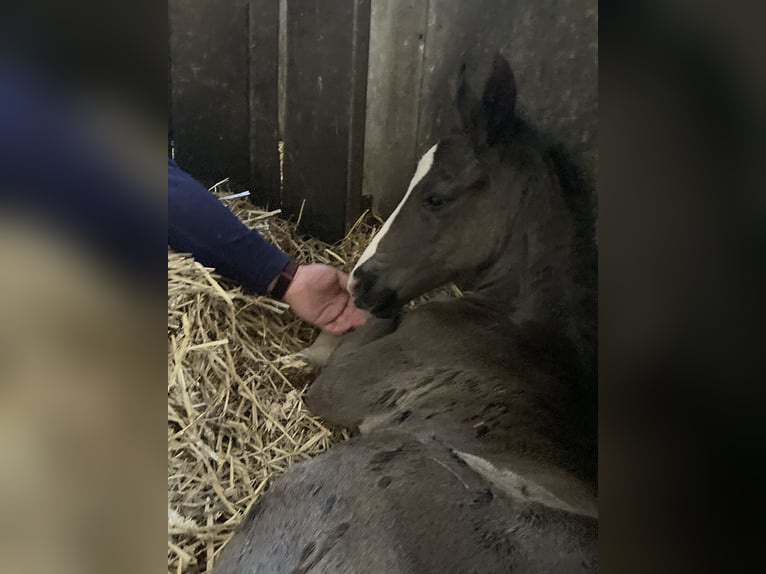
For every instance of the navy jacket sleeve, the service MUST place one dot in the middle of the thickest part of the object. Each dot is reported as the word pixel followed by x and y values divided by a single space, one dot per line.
pixel 53 168
pixel 198 223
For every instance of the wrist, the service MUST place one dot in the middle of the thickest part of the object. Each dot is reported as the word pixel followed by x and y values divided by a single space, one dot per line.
pixel 281 283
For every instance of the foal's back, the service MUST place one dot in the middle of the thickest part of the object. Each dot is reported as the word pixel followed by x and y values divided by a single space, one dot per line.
pixel 453 471
pixel 390 503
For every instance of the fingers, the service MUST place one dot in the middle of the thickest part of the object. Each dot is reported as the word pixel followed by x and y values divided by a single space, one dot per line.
pixel 319 296
pixel 342 279
pixel 334 329
pixel 338 326
pixel 349 318
pixel 357 317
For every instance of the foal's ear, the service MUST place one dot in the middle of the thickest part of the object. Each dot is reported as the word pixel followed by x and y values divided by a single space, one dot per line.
pixel 489 119
pixel 496 115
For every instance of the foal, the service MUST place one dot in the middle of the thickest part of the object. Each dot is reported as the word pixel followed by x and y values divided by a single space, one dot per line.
pixel 476 446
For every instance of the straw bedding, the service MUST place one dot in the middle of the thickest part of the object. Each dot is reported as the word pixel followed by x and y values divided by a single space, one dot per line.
pixel 236 418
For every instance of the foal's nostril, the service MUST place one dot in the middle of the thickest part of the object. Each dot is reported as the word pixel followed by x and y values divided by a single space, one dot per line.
pixel 363 280
pixel 370 293
pixel 355 281
pixel 361 273
pixel 363 286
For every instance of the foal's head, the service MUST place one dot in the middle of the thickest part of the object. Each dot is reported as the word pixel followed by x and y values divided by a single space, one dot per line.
pixel 457 215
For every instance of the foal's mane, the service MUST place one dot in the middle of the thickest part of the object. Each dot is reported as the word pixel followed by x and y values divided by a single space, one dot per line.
pixel 576 193
pixel 579 201
pixel 575 190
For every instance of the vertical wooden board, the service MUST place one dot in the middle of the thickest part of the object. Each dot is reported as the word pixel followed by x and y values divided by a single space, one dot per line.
pixel 552 46
pixel 264 102
pixel 324 111
pixel 397 39
pixel 210 88
pixel 453 35
pixel 282 64
pixel 360 49
pixel 170 103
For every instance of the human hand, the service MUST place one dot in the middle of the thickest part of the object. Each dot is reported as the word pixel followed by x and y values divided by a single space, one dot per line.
pixel 318 294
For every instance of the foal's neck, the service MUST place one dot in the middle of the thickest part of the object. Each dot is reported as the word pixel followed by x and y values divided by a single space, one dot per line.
pixel 543 273
pixel 530 276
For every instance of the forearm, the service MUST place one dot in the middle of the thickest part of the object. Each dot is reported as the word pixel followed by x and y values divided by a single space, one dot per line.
pixel 198 223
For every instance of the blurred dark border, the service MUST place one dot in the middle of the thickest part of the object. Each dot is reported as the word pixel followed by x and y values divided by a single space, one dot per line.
pixel 94 46
pixel 681 233
pixel 83 340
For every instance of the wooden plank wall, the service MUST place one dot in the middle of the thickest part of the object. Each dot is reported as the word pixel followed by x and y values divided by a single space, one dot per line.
pixel 263 50
pixel 209 88
pixel 397 43
pixel 325 94
pixel 244 72
pixel 417 48
pixel 224 94
pixel 247 73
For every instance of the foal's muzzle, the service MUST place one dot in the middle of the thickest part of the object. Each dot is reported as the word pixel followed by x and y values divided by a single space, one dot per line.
pixel 370 294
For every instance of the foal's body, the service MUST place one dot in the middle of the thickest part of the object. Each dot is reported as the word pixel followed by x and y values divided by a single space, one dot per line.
pixel 456 470
pixel 474 453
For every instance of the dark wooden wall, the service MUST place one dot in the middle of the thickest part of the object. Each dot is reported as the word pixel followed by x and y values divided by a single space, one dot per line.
pixel 325 95
pixel 229 95
pixel 247 73
pixel 210 87
pixel 417 47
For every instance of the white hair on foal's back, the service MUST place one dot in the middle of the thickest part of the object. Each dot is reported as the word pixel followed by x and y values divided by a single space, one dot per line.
pixel 424 166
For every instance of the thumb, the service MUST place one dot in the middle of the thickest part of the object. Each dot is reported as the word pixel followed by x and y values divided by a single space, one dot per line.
pixel 342 279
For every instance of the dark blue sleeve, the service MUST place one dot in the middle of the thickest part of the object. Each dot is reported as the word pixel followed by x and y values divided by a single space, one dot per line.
pixel 53 169
pixel 198 223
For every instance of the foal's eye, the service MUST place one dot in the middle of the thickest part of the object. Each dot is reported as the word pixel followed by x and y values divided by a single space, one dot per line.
pixel 433 201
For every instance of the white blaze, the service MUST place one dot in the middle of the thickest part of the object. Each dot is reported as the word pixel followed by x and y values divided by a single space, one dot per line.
pixel 424 166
